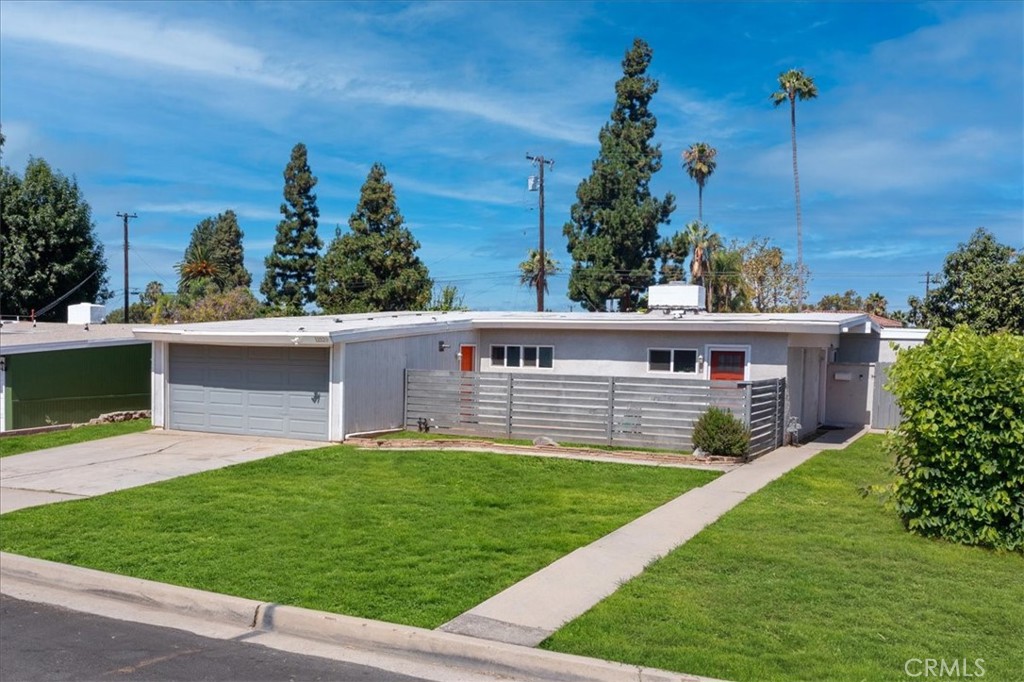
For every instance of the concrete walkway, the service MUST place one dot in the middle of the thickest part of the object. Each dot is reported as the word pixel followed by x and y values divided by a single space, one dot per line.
pixel 529 611
pixel 101 466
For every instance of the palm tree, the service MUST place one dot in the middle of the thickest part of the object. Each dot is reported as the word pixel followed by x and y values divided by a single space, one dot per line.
pixel 875 304
pixel 529 269
pixel 726 282
pixel 795 84
pixel 699 162
pixel 703 241
pixel 200 271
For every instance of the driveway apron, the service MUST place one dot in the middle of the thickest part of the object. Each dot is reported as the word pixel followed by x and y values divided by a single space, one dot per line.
pixel 102 466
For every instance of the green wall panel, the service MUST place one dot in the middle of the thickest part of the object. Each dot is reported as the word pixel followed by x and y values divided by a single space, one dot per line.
pixel 71 386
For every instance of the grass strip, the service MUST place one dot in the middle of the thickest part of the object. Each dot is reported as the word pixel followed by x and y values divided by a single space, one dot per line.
pixel 413 537
pixel 809 580
pixel 437 435
pixel 15 445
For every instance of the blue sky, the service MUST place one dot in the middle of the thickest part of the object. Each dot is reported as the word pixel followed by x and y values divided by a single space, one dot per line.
pixel 179 111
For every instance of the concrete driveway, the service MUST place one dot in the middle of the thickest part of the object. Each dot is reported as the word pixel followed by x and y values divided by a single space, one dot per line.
pixel 101 466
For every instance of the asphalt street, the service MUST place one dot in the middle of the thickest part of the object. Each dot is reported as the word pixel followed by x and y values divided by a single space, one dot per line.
pixel 42 642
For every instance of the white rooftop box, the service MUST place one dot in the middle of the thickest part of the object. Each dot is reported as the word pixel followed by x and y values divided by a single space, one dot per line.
pixel 676 295
pixel 85 313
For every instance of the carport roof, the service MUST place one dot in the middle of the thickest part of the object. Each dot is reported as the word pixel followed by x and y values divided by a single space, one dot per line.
pixel 324 330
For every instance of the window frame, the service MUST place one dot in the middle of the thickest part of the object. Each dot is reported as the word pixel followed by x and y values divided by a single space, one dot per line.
pixel 671 371
pixel 521 353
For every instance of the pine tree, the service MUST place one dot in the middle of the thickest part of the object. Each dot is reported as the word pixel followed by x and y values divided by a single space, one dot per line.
pixel 613 234
pixel 374 266
pixel 291 265
pixel 48 243
pixel 226 246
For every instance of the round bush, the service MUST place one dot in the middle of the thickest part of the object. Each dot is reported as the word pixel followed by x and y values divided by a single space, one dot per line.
pixel 959 446
pixel 717 432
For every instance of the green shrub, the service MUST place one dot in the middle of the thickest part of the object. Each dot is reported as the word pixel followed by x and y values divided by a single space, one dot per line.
pixel 960 444
pixel 717 432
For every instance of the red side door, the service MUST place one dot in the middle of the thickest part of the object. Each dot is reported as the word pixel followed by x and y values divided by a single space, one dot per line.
pixel 468 358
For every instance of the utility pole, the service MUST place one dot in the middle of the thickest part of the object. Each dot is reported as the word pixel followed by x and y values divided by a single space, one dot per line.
pixel 126 216
pixel 542 265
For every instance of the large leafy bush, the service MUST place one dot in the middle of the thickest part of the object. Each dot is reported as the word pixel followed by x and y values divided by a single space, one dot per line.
pixel 717 432
pixel 960 443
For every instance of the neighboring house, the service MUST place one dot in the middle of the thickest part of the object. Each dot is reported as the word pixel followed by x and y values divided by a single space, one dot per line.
pixel 328 377
pixel 54 373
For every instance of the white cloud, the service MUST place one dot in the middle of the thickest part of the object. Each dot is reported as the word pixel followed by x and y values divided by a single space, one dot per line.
pixel 211 208
pixel 136 38
pixel 498 193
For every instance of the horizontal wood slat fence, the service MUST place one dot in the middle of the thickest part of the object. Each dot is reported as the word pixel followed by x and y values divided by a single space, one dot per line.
pixel 624 411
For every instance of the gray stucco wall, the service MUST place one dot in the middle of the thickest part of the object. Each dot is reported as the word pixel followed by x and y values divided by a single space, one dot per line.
pixel 374 377
pixel 848 394
pixel 859 348
pixel 624 353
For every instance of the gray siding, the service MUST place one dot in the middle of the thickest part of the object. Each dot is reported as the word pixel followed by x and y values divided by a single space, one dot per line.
pixel 624 353
pixel 374 390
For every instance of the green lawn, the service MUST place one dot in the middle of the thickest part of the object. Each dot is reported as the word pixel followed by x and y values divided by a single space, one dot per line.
pixel 15 445
pixel 809 580
pixel 411 537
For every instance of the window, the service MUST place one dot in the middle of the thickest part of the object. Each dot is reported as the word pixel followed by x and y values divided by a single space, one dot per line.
pixel 523 356
pixel 678 360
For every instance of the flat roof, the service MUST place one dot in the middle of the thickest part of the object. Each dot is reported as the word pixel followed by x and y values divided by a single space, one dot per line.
pixel 25 337
pixel 325 330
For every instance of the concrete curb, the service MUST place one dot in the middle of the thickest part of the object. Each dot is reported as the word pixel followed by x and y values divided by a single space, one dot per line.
pixel 429 646
pixel 184 601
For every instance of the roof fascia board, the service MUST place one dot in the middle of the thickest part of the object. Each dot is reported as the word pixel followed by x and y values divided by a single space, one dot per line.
pixel 236 338
pixel 696 325
pixel 69 345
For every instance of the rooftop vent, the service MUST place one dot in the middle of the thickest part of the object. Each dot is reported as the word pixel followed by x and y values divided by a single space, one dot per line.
pixel 85 313
pixel 677 297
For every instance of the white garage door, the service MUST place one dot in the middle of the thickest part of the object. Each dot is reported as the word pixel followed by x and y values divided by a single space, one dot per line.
pixel 252 391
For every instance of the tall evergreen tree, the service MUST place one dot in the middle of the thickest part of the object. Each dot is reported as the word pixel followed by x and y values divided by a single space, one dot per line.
pixel 613 233
pixel 292 264
pixel 216 243
pixel 374 266
pixel 48 243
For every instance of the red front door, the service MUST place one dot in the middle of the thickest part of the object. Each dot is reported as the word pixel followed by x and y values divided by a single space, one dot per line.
pixel 468 358
pixel 728 365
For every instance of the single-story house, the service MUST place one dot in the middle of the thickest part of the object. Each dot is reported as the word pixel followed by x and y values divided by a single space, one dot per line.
pixel 54 373
pixel 332 376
